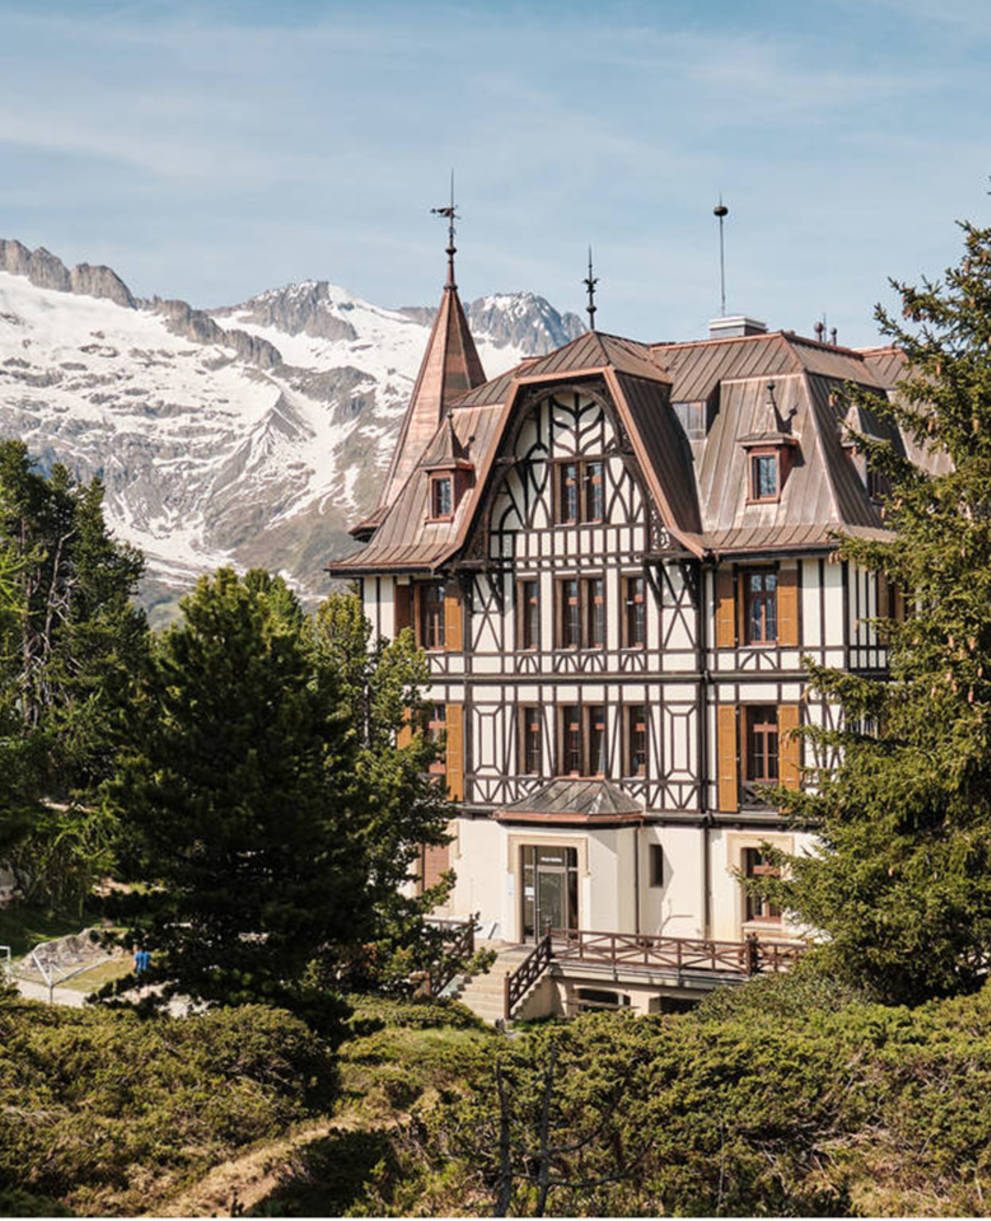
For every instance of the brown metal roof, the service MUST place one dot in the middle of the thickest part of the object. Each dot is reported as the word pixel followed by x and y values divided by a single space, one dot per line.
pixel 700 487
pixel 664 451
pixel 406 539
pixel 450 368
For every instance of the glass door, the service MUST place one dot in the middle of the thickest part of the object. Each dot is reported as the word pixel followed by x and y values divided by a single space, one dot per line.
pixel 550 890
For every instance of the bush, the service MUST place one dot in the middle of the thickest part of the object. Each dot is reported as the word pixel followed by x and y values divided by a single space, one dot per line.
pixel 103 1110
pixel 784 1097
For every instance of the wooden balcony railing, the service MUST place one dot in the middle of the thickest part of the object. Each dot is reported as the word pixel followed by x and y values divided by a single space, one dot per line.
pixel 746 957
pixel 638 951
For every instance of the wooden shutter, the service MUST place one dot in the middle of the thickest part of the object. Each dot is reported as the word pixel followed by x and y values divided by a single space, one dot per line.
pixel 404 735
pixel 728 764
pixel 788 606
pixel 725 609
pixel 453 625
pixel 455 752
pixel 789 747
pixel 403 599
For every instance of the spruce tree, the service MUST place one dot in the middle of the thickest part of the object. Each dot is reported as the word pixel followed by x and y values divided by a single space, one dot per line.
pixel 900 889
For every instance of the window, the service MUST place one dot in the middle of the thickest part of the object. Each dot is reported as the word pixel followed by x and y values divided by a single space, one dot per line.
pixel 441 496
pixel 528 615
pixel 878 484
pixel 595 612
pixel 635 617
pixel 588 1000
pixel 432 616
pixel 596 715
pixel 636 740
pixel 436 728
pixel 756 865
pixel 580 491
pixel 693 419
pixel 762 745
pixel 530 741
pixel 760 600
pixel 581 613
pixel 594 498
pixel 656 865
pixel 570 613
pixel 572 753
pixel 764 476
pixel 582 741
pixel 567 502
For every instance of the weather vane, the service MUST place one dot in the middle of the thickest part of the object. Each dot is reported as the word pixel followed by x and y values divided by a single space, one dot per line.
pixel 590 282
pixel 721 211
pixel 450 212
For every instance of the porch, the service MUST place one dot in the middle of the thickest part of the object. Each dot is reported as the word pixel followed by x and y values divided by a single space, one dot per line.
pixel 569 971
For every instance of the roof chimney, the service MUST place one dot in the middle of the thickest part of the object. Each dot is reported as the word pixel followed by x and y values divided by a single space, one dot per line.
pixel 734 326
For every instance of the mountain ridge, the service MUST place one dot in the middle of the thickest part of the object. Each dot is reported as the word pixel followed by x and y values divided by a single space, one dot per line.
pixel 249 434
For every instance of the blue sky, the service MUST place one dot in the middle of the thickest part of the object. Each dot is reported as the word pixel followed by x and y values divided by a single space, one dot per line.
pixel 212 150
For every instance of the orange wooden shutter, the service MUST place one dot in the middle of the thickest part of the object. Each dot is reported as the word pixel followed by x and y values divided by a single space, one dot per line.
pixel 453 628
pixel 455 752
pixel 788 606
pixel 404 735
pixel 725 609
pixel 402 601
pixel 789 746
pixel 726 750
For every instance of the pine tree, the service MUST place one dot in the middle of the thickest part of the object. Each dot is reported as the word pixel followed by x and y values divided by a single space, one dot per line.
pixel 901 886
pixel 399 806
pixel 234 801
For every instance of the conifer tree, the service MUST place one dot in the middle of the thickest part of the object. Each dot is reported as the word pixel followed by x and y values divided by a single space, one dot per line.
pixel 70 642
pixel 234 800
pixel 399 806
pixel 901 886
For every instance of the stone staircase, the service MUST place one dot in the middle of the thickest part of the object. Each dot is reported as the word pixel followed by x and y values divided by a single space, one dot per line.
pixel 484 994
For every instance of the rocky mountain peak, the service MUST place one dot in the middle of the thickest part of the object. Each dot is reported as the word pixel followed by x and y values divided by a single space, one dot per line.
pixel 311 308
pixel 46 270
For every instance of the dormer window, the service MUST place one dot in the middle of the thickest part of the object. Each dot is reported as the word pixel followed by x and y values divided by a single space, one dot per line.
pixel 441 497
pixel 765 475
pixel 449 471
pixel 771 451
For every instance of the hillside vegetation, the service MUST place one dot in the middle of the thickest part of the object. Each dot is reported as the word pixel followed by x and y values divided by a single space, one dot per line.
pixel 783 1098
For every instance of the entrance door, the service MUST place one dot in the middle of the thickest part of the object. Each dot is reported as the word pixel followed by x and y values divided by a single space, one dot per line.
pixel 550 890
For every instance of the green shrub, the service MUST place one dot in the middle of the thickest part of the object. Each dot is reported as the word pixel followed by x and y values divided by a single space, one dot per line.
pixel 100 1109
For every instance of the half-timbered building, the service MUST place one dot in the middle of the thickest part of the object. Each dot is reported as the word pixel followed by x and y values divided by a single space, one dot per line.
pixel 616 557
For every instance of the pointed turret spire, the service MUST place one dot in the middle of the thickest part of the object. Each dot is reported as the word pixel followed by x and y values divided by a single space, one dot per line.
pixel 450 368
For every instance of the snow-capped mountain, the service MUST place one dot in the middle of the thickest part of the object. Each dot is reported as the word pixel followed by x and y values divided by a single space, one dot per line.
pixel 250 434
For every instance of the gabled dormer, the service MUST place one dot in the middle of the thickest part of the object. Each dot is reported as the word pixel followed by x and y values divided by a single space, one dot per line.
pixel 771 452
pixel 450 472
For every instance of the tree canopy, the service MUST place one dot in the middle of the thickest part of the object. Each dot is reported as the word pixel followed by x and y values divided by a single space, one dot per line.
pixel 71 641
pixel 269 816
pixel 901 887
